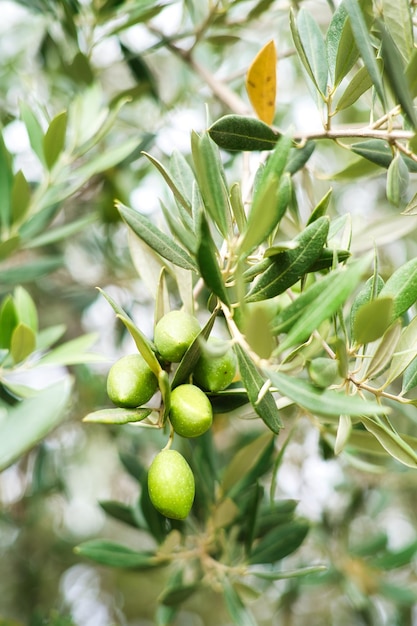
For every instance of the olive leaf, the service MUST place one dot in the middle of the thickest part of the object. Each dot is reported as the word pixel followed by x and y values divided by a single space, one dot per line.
pixel 289 266
pixel 261 400
pixel 240 133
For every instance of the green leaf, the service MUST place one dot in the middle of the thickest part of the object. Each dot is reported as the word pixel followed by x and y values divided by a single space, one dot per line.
pixel 53 235
pixel 34 131
pixel 299 155
pixel 116 555
pixel 286 574
pixel 327 403
pixel 359 84
pixel 177 594
pixel 20 197
pixel 279 542
pixel 347 50
pixel 190 358
pixel 23 342
pixel 320 208
pixel 370 291
pixel 391 441
pixel 117 416
pixel 72 352
pixel 372 319
pixel 25 308
pixel 314 50
pixel 405 352
pixel 398 20
pixel 208 262
pixel 270 199
pixel 248 464
pixel 28 272
pixel 288 267
pixel 121 512
pixel 155 238
pixel 240 133
pixel 31 420
pixel 394 69
pixel 262 401
pixel 402 286
pixel 333 38
pixel 143 344
pixel 211 181
pixel 363 41
pixel 410 377
pixel 393 559
pixel 8 321
pixel 177 190
pixel 379 152
pixel 6 184
pixel 54 139
pixel 237 610
pixel 380 354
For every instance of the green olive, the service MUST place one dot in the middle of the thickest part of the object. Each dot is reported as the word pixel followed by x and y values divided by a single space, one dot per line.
pixel 131 382
pixel 171 484
pixel 216 367
pixel 174 333
pixel 191 413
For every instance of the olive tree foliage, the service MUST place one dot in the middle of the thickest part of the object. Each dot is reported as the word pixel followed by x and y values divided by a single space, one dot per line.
pixel 292 241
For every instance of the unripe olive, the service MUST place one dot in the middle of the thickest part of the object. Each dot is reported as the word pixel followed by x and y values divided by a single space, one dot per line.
pixel 215 370
pixel 174 333
pixel 191 413
pixel 131 382
pixel 171 484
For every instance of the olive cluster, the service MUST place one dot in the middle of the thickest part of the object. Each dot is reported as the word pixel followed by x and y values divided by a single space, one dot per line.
pixel 131 383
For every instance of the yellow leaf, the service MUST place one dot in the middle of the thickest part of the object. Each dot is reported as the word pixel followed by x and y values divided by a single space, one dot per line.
pixel 261 82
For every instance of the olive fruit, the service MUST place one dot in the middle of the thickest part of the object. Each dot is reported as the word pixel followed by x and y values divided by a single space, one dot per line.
pixel 171 484
pixel 131 382
pixel 190 413
pixel 174 333
pixel 215 369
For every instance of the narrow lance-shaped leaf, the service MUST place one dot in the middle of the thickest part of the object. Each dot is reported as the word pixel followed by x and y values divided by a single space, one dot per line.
pixel 279 542
pixel 402 286
pixel 405 352
pixel 327 403
pixel 211 181
pixel 34 131
pixel 116 555
pixel 391 441
pixel 6 184
pixel 398 21
pixel 261 82
pixel 208 263
pixel 117 416
pixel 262 402
pixel 23 342
pixel 395 71
pixel 143 344
pixel 372 319
pixel 314 49
pixel 347 51
pixel 240 133
pixel 379 152
pixel 155 238
pixel 267 210
pixel 54 139
pixel 333 36
pixel 289 266
pixel 363 41
pixel 31 420
pixel 240 615
pixel 176 188
pixel 359 84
